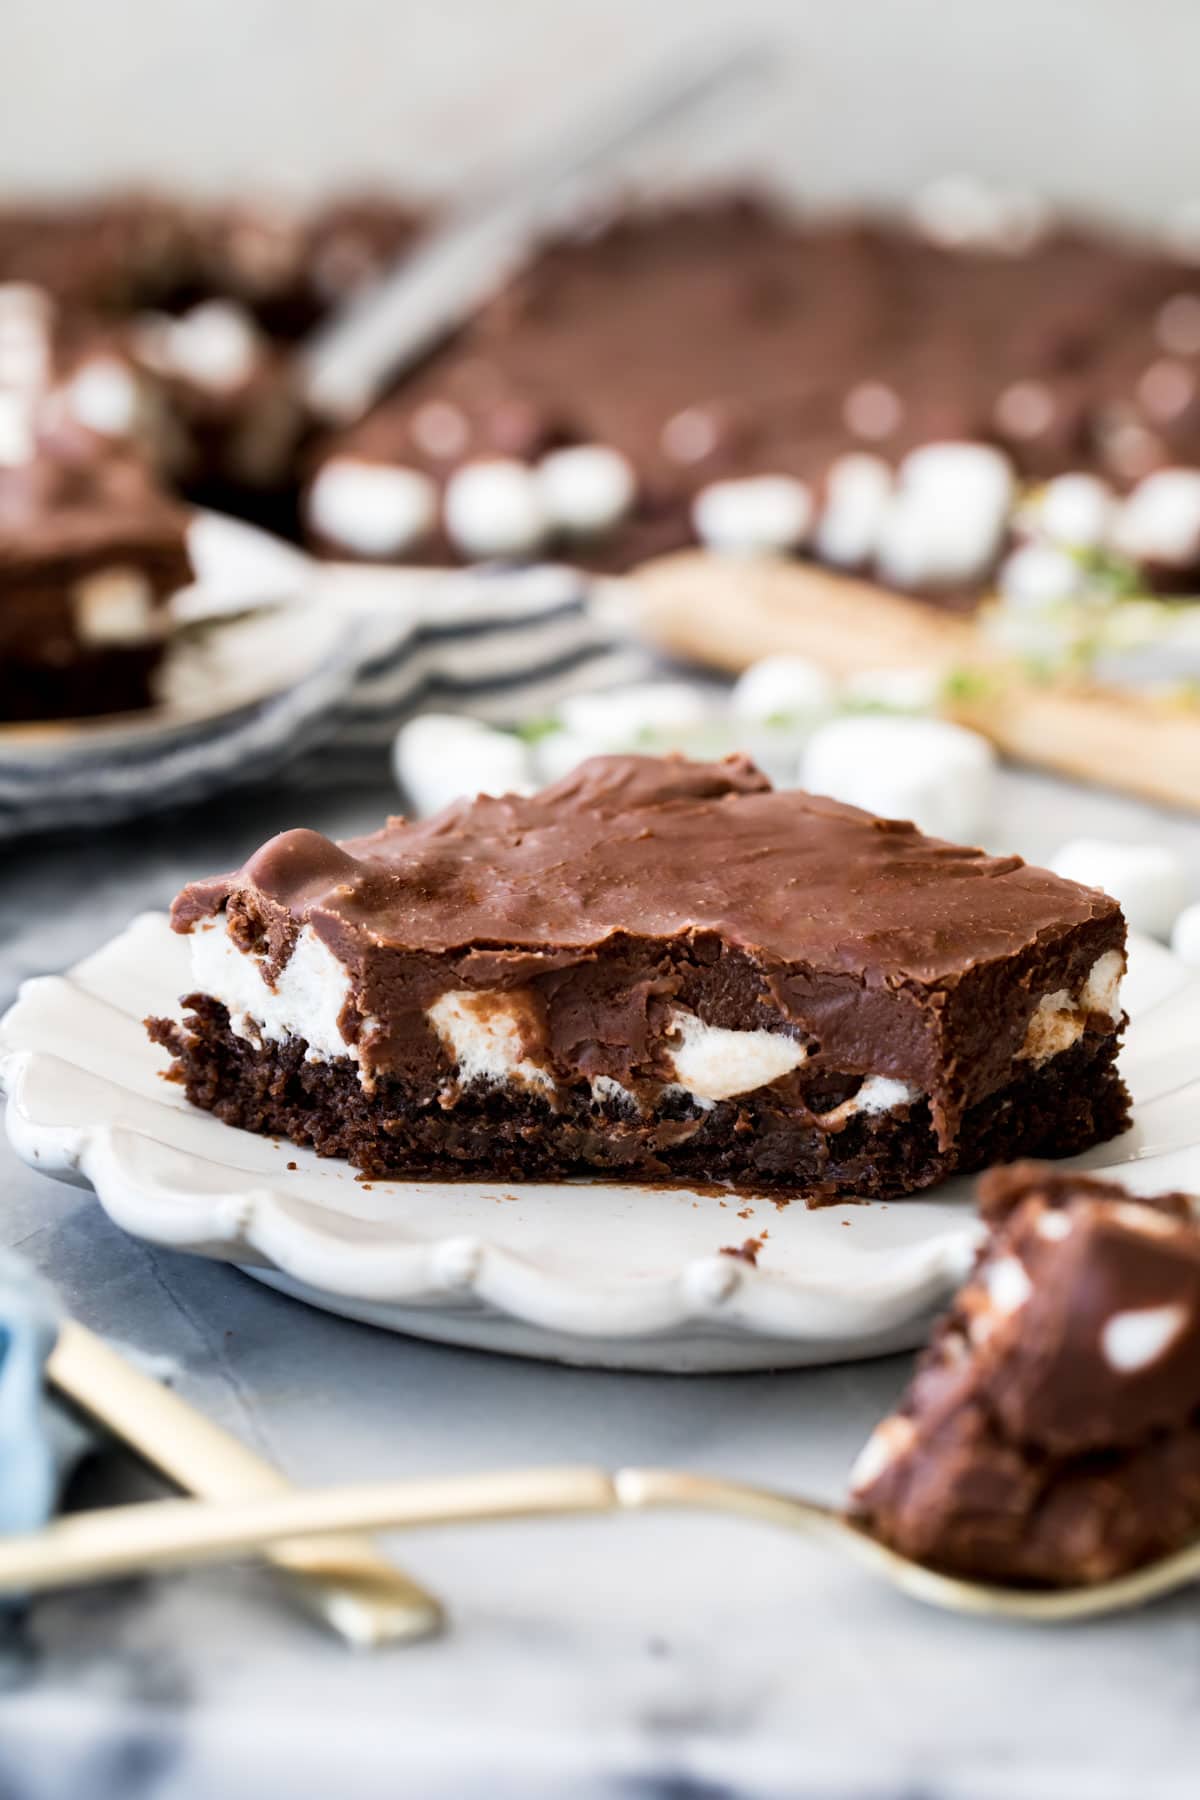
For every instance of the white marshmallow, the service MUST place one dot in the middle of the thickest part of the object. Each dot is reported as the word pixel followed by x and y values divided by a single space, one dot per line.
pixel 103 395
pixel 858 490
pixel 1007 1283
pixel 440 757
pixel 955 210
pixel 1133 1340
pixel 113 606
pixel 616 718
pixel 781 687
pixel 1185 936
pixel 495 508
pixel 657 714
pixel 1040 575
pixel 1147 879
pixel 556 754
pixel 1076 510
pixel 754 516
pixel 483 1036
pixel 1101 992
pixel 586 489
pixel 216 344
pixel 937 774
pixel 889 1440
pixel 306 1000
pixel 715 1064
pixel 878 1094
pixel 915 690
pixel 370 508
pixel 16 431
pixel 947 518
pixel 1160 521
pixel 961 212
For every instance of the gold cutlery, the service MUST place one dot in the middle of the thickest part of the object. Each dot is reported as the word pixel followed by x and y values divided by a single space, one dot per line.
pixel 175 1533
pixel 125 1540
pixel 343 1580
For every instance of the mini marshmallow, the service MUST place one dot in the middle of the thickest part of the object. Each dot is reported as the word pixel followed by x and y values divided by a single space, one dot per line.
pixel 1131 1341
pixel 1147 879
pixel 495 508
pixel 754 516
pixel 1185 936
pixel 440 757
pixel 937 774
pixel 781 687
pixel 16 431
pixel 960 212
pixel 620 716
pixel 657 714
pixel 1075 510
pixel 915 690
pixel 586 489
pixel 1040 575
pixel 113 606
pixel 858 490
pixel 947 519
pixel 1160 521
pixel 103 395
pixel 371 508
pixel 216 344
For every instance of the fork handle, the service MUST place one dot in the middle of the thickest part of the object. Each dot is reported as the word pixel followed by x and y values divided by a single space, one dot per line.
pixel 123 1540
pixel 343 1580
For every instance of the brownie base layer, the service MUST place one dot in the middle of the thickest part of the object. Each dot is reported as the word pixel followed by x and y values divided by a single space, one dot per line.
pixel 1052 1109
pixel 100 681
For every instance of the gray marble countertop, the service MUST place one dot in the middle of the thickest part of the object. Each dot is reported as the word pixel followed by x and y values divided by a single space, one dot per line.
pixel 659 1656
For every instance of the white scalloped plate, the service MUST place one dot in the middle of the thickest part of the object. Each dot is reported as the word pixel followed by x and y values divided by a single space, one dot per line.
pixel 617 1276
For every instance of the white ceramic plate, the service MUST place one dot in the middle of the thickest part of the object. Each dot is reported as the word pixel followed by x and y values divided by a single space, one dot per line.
pixel 618 1276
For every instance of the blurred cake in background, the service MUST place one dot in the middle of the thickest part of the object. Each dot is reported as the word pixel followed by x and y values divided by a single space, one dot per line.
pixel 90 548
pixel 882 396
pixel 979 397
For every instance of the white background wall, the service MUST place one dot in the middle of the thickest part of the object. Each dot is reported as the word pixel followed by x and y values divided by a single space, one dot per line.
pixel 1099 100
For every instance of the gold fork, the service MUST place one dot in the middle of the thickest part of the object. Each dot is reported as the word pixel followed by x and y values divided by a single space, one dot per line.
pixel 174 1533
pixel 342 1580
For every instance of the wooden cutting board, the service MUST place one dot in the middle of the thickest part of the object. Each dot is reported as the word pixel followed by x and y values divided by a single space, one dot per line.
pixel 730 613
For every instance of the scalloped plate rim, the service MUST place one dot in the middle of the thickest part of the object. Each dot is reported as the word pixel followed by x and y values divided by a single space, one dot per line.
pixel 706 1311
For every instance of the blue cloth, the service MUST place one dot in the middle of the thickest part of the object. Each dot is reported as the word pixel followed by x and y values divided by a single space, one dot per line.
pixel 39 1443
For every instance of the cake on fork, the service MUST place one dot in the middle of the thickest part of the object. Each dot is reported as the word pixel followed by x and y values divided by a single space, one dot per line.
pixel 1052 1432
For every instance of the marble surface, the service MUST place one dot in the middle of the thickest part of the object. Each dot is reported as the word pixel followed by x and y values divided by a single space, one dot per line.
pixel 642 1657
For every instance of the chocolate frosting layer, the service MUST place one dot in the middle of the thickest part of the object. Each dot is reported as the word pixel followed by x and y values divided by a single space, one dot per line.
pixel 658 847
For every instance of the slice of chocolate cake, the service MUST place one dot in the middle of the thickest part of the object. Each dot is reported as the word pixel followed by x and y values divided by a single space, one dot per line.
pixel 1052 1432
pixel 662 969
pixel 90 552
